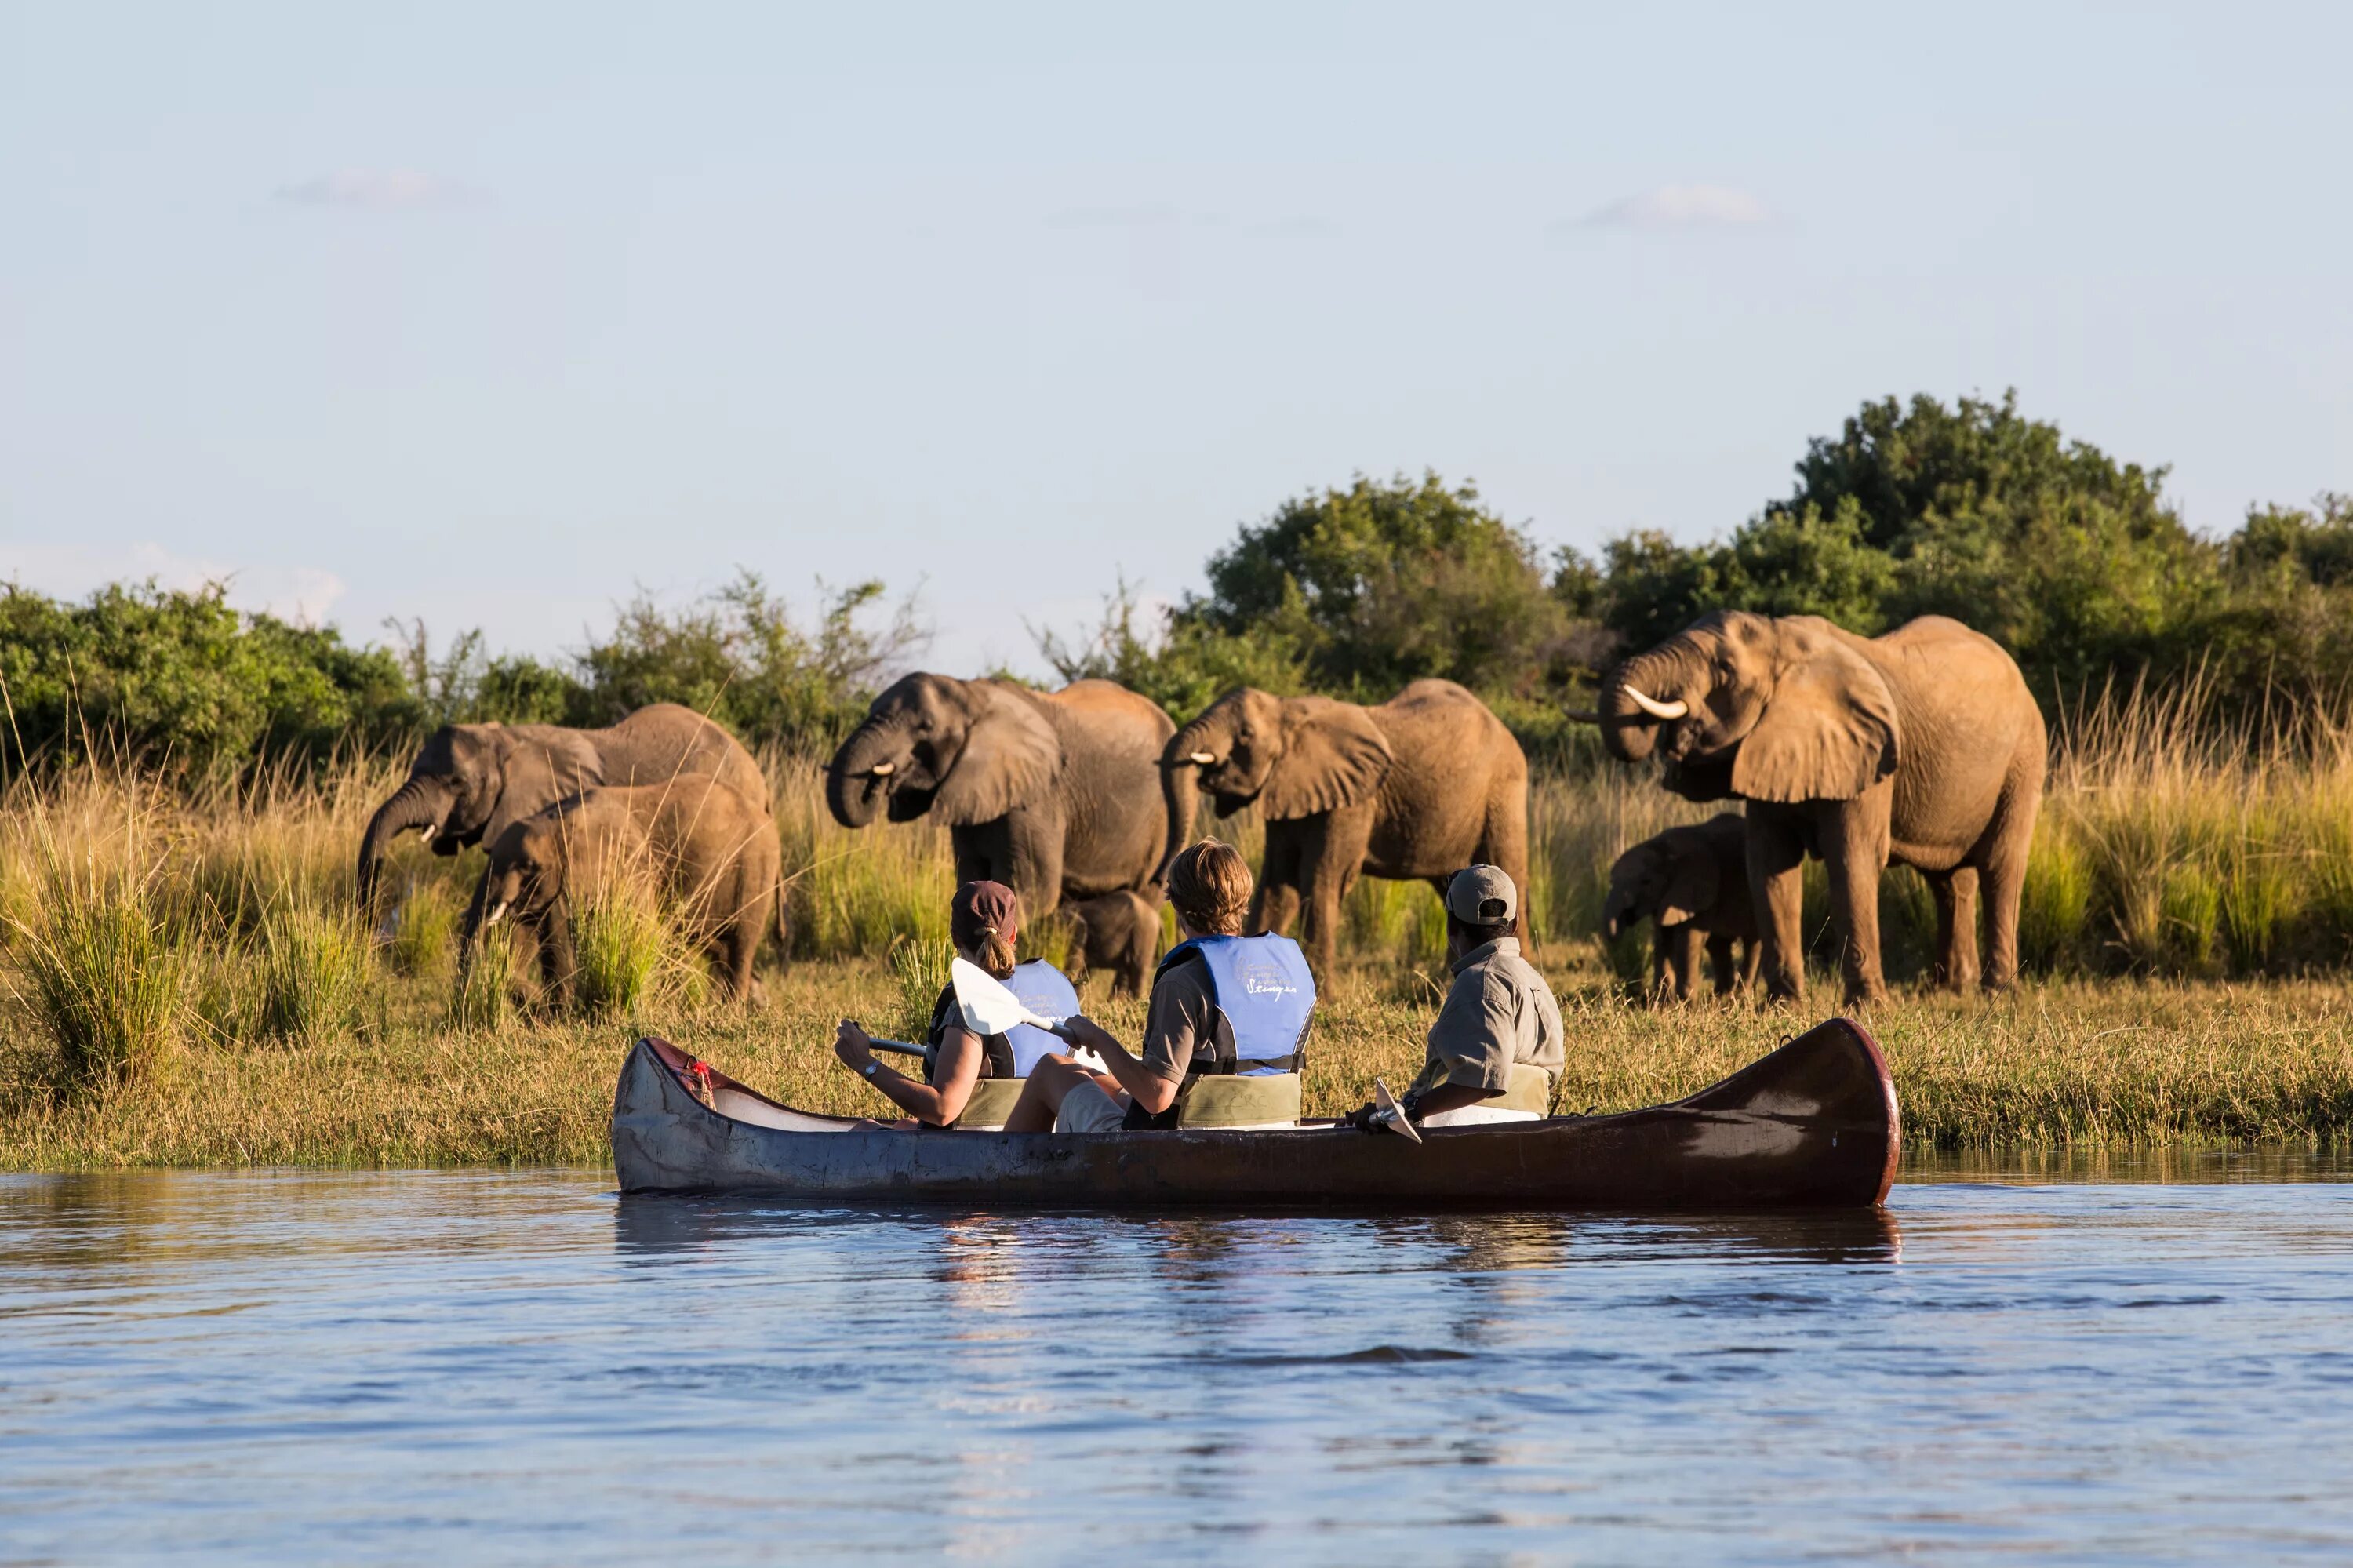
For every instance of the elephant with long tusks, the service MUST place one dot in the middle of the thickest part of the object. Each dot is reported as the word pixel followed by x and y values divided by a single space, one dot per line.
pixel 1416 789
pixel 470 781
pixel 1923 747
pixel 1055 794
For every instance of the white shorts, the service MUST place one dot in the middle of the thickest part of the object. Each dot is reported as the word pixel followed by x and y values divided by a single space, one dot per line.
pixel 1475 1116
pixel 1086 1108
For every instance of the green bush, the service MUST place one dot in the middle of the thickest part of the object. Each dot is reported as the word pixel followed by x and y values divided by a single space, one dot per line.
pixel 101 970
pixel 314 972
pixel 423 930
pixel 921 967
pixel 483 998
pixel 178 681
pixel 619 945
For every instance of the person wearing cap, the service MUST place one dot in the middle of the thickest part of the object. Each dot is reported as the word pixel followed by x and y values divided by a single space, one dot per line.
pixel 1223 1006
pixel 1496 1048
pixel 984 923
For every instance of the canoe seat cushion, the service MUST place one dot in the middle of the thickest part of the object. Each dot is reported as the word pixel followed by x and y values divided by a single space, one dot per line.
pixel 1265 1100
pixel 991 1103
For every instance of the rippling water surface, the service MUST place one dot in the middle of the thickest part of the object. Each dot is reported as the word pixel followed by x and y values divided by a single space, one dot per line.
pixel 456 1367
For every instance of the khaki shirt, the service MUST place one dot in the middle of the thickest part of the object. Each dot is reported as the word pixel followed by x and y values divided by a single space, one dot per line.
pixel 1498 1013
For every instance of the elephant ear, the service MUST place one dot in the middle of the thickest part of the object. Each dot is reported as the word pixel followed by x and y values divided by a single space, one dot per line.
pixel 1334 755
pixel 1692 888
pixel 538 773
pixel 1829 730
pixel 1011 756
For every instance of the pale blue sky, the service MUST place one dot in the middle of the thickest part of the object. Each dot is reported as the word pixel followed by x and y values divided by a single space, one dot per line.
pixel 488 312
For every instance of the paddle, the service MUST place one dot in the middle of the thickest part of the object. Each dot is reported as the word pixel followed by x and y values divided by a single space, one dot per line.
pixel 988 1007
pixel 1388 1110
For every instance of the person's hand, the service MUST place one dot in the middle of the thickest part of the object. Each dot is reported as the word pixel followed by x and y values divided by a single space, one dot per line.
pixel 1086 1032
pixel 850 1043
pixel 1366 1119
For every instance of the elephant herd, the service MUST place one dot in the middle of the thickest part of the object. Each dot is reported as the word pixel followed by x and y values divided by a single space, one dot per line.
pixel 1922 747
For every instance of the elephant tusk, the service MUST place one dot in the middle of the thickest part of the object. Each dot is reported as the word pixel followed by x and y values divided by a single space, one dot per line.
pixel 427 832
pixel 1202 758
pixel 883 770
pixel 1655 708
pixel 498 913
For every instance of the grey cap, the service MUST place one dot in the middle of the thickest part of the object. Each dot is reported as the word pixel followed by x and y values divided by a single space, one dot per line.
pixel 1482 896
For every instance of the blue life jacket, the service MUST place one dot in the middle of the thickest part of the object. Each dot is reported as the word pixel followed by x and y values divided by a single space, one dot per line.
pixel 1264 987
pixel 1046 992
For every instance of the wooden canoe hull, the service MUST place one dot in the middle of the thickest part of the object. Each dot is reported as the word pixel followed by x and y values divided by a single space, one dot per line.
pixel 1812 1125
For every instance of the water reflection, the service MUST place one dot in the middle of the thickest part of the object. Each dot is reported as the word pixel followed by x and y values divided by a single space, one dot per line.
pixel 482 1365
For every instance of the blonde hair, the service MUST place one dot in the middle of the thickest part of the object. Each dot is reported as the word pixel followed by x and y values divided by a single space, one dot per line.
pixel 1210 883
pixel 994 954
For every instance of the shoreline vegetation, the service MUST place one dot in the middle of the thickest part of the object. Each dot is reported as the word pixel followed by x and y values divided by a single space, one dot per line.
pixel 186 984
pixel 183 788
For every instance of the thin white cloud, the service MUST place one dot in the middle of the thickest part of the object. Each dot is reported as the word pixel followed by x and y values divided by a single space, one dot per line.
pixel 299 594
pixel 1141 216
pixel 374 190
pixel 1682 207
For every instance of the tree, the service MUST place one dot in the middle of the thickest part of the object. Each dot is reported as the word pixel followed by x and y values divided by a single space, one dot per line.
pixel 1381 584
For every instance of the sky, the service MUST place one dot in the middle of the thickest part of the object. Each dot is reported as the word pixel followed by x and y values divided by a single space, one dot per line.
pixel 494 315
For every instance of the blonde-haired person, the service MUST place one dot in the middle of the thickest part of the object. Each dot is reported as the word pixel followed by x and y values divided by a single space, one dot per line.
pixel 1221 1003
pixel 984 924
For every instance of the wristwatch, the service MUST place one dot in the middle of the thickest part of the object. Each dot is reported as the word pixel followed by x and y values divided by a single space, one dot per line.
pixel 871 1067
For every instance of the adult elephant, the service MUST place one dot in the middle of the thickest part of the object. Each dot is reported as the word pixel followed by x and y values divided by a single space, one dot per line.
pixel 1922 746
pixel 1423 785
pixel 470 781
pixel 1052 793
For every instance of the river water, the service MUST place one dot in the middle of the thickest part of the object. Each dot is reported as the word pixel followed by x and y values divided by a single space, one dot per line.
pixel 2064 1360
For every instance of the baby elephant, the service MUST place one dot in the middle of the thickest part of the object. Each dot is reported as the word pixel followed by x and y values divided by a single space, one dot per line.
pixel 1119 932
pixel 1693 883
pixel 707 849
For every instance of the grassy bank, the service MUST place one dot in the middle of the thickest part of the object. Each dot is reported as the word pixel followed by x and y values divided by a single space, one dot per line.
pixel 2065 1064
pixel 183 979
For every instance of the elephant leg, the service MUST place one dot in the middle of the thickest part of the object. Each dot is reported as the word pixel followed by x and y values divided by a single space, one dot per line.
pixel 1854 837
pixel 1777 883
pixel 983 853
pixel 2004 881
pixel 1719 960
pixel 1956 893
pixel 1036 868
pixel 1332 865
pixel 470 930
pixel 558 967
pixel 1751 950
pixel 1681 945
pixel 1504 843
pixel 1275 904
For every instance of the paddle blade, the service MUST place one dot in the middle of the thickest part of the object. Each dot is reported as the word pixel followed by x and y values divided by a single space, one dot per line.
pixel 1393 1113
pixel 986 1006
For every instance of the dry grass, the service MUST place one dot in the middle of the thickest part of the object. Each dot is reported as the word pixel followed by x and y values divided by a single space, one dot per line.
pixel 2069 1065
pixel 183 982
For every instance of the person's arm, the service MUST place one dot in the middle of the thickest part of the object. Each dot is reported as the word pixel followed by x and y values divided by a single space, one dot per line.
pixel 940 1102
pixel 1144 1087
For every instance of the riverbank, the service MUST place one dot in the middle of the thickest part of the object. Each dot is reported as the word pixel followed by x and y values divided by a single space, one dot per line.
pixel 2060 1065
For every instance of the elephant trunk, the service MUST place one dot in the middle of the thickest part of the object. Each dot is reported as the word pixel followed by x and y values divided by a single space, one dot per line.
pixel 421 803
pixel 1180 794
pixel 1634 697
pixel 855 793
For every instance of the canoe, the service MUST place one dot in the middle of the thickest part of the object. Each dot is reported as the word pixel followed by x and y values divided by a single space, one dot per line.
pixel 1812 1125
